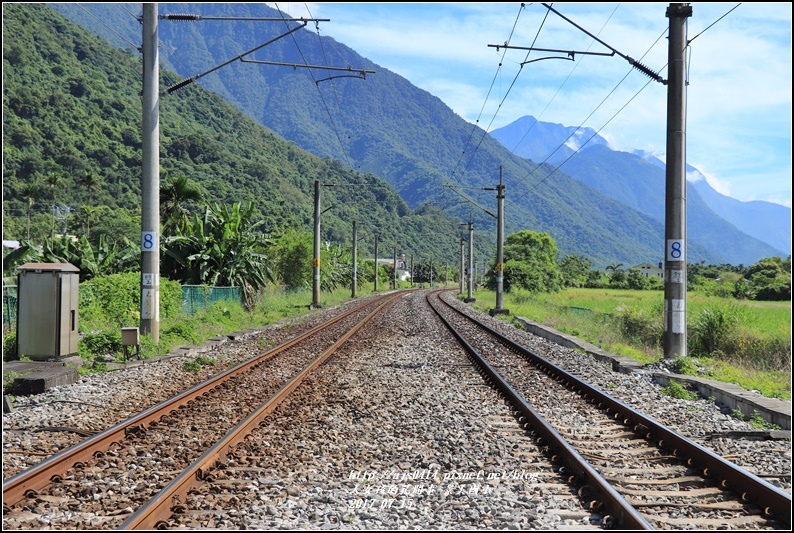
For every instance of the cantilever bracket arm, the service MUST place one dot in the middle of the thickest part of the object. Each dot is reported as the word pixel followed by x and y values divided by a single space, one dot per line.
pixel 362 72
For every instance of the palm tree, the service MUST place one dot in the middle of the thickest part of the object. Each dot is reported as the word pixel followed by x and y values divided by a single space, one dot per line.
pixel 614 267
pixel 88 213
pixel 54 181
pixel 173 201
pixel 92 183
pixel 31 192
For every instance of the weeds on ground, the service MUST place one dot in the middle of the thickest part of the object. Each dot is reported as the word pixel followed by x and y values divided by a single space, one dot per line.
pixel 756 420
pixel 676 390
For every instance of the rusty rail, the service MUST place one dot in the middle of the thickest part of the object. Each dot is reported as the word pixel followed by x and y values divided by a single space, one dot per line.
pixel 775 502
pixel 40 476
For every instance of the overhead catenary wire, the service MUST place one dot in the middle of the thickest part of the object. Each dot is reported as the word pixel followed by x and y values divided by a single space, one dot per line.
pixel 568 77
pixel 504 98
pixel 558 167
pixel 322 99
pixel 114 32
pixel 493 82
pixel 333 87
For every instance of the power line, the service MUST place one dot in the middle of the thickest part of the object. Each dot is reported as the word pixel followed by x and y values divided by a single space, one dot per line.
pixel 322 98
pixel 137 47
pixel 493 82
pixel 568 77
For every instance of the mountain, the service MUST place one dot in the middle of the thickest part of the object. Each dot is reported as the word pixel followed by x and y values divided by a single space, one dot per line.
pixel 743 232
pixel 71 106
pixel 385 126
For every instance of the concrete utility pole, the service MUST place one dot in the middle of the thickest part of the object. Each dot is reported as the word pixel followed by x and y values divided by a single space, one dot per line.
pixel 355 259
pixel 431 273
pixel 470 270
pixel 394 282
pixel 376 263
pixel 462 264
pixel 316 260
pixel 500 255
pixel 150 185
pixel 675 330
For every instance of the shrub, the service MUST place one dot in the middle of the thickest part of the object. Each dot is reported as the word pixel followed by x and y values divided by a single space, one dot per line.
pixel 713 329
pixel 685 366
pixel 10 347
pixel 102 343
pixel 640 327
pixel 192 366
pixel 115 300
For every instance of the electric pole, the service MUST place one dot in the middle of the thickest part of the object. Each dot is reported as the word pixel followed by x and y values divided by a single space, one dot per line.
pixel 470 270
pixel 316 260
pixel 500 240
pixel 150 185
pixel 376 262
pixel 355 259
pixel 462 264
pixel 675 280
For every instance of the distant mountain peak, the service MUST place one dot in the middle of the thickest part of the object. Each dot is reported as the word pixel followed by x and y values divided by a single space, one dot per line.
pixel 636 178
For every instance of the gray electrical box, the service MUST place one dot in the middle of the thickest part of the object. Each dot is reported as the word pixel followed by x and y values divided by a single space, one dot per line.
pixel 48 295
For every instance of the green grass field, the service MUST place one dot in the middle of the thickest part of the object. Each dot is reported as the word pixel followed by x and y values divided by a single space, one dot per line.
pixel 754 348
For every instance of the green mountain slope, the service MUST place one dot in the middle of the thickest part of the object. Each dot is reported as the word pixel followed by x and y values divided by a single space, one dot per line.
pixel 71 105
pixel 386 126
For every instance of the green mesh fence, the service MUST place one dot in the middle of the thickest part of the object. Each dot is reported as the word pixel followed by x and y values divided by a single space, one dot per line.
pixel 9 305
pixel 197 297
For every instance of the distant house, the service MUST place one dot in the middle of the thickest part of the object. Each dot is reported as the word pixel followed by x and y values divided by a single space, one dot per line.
pixel 403 272
pixel 650 271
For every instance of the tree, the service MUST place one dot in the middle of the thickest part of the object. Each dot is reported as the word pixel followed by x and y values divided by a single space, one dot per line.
pixel 174 199
pixel 220 248
pixel 539 252
pixel 636 281
pixel 424 270
pixel 575 270
pixel 92 183
pixel 769 279
pixel 530 263
pixel 88 214
pixel 54 182
pixel 292 259
pixel 614 267
pixel 30 191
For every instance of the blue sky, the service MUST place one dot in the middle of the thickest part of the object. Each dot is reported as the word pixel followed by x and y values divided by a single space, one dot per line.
pixel 739 62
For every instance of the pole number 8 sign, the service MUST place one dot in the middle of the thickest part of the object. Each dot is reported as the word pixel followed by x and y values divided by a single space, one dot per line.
pixel 149 241
pixel 675 250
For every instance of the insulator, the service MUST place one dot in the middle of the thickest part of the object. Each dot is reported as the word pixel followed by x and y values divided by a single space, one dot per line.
pixel 181 85
pixel 182 17
pixel 645 70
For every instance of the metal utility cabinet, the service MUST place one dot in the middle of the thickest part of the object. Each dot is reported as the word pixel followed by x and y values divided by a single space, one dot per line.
pixel 48 295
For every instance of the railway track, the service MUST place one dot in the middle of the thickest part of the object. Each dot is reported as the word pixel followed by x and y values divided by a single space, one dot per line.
pixel 332 462
pixel 387 431
pixel 128 464
pixel 633 466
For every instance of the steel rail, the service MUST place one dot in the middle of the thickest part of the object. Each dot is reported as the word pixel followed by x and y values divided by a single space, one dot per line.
pixel 775 502
pixel 172 497
pixel 34 479
pixel 623 515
